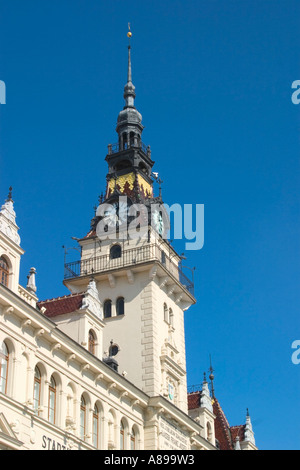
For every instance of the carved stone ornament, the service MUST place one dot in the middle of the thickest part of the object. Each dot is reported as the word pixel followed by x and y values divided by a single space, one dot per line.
pixel 8 224
pixel 91 300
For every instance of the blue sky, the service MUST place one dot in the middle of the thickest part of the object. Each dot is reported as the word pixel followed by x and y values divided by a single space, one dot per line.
pixel 213 81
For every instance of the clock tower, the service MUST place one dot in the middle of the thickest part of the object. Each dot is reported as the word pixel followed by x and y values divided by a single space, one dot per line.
pixel 142 289
pixel 129 160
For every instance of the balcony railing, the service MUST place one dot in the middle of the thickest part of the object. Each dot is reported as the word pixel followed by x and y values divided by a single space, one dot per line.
pixel 131 257
pixel 116 148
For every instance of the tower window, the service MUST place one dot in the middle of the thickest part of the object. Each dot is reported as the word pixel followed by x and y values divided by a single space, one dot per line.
pixel 115 252
pixel 171 317
pixel 166 313
pixel 131 137
pixel 4 355
pixel 107 309
pixel 4 272
pixel 120 306
pixel 124 140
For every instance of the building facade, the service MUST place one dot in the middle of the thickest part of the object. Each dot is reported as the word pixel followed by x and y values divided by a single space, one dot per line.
pixel 105 367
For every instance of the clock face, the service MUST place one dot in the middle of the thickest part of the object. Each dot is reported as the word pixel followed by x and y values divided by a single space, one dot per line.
pixel 110 215
pixel 122 212
pixel 158 222
pixel 116 213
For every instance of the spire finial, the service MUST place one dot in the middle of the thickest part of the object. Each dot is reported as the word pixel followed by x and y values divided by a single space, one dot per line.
pixel 129 34
pixel 129 90
pixel 9 197
pixel 211 378
pixel 129 75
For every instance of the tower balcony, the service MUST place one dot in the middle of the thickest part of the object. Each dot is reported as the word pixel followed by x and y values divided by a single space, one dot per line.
pixel 131 144
pixel 147 254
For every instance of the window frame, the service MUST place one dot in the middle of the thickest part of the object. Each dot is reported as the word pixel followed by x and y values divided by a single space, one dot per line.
pixel 132 440
pixel 52 394
pixel 82 423
pixel 122 435
pixel 113 248
pixel 37 382
pixel 121 311
pixel 106 302
pixel 4 271
pixel 4 358
pixel 95 438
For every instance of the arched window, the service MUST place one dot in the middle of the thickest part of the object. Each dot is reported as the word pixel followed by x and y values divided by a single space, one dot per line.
pixel 120 306
pixel 52 401
pixel 95 426
pixel 92 342
pixel 132 440
pixel 166 313
pixel 171 317
pixel 122 436
pixel 82 418
pixel 4 356
pixel 124 139
pixel 36 390
pixel 115 252
pixel 107 309
pixel 131 139
pixel 4 272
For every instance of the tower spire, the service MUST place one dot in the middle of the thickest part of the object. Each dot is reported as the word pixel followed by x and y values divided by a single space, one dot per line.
pixel 212 377
pixel 129 90
pixel 129 74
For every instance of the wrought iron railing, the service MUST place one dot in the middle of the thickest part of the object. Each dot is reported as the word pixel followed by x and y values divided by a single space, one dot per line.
pixel 116 148
pixel 194 388
pixel 131 257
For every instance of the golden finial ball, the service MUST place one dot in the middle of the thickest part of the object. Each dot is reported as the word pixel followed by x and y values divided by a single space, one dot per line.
pixel 129 34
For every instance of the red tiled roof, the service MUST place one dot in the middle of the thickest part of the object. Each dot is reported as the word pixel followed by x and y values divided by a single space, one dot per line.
pixel 238 431
pixel 222 428
pixel 92 233
pixel 194 400
pixel 61 305
pixel 225 434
